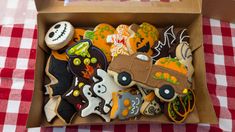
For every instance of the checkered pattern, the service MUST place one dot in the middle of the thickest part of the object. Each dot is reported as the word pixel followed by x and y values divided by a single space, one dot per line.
pixel 17 60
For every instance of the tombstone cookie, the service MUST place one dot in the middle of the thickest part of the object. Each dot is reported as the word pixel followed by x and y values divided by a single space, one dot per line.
pixel 103 87
pixel 84 59
pixel 92 105
pixel 142 38
pixel 119 41
pixel 161 47
pixel 125 105
pixel 98 38
pixel 59 35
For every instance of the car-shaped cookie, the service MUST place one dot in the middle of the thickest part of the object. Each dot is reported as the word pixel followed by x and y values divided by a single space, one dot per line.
pixel 137 69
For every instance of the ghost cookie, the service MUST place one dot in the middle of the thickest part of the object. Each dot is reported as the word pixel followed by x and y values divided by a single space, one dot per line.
pixel 119 41
pixel 150 106
pixel 60 78
pixel 84 59
pixel 125 105
pixel 103 87
pixel 142 38
pixel 161 47
pixel 59 35
pixel 92 105
pixel 98 38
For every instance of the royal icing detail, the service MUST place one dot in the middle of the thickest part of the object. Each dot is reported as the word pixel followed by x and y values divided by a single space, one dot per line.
pixel 167 77
pixel 142 38
pixel 92 105
pixel 103 87
pixel 98 38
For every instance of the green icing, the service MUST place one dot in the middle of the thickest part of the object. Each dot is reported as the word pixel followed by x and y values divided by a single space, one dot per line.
pixel 168 79
pixel 90 35
pixel 81 49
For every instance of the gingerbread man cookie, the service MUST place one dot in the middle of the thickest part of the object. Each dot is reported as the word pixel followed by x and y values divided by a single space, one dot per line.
pixel 59 35
pixel 98 38
pixel 142 38
pixel 119 41
pixel 103 87
pixel 92 105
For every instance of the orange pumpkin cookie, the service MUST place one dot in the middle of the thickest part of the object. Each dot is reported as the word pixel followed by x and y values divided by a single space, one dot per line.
pixel 78 35
pixel 142 38
pixel 119 41
pixel 98 38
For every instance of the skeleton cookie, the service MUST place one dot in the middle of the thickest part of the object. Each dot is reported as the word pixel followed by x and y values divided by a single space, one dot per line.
pixel 59 35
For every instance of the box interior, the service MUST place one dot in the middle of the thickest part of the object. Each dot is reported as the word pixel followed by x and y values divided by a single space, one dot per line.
pixel 204 112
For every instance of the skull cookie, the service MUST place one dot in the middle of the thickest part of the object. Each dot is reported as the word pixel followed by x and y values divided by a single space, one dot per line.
pixel 59 35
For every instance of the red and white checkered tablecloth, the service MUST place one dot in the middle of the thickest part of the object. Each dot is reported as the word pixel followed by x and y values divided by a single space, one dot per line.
pixel 17 60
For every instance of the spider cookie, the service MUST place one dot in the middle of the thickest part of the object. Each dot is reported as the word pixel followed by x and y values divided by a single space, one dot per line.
pixel 84 59
pixel 92 105
pixel 125 105
pixel 142 38
pixel 98 38
pixel 103 87
pixel 119 41
pixel 59 35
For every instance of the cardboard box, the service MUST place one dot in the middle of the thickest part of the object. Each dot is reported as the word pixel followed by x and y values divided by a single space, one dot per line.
pixel 183 14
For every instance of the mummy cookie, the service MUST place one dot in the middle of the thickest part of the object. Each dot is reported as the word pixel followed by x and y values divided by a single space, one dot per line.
pixel 50 108
pixel 142 38
pixel 125 105
pixel 103 87
pixel 65 111
pixel 167 78
pixel 92 105
pixel 98 38
pixel 61 79
pixel 161 48
pixel 59 35
pixel 119 41
pixel 84 59
pixel 150 106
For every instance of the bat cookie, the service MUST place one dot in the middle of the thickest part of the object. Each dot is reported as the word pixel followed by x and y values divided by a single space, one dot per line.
pixel 142 38
pixel 119 41
pixel 103 87
pixel 92 105
pixel 98 37
pixel 125 105
pixel 59 35
pixel 84 59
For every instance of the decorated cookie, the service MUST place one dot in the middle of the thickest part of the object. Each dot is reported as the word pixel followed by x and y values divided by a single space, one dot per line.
pixel 125 105
pixel 78 35
pixel 61 79
pixel 103 87
pixel 65 111
pixel 189 101
pixel 161 47
pixel 84 59
pixel 50 108
pixel 59 35
pixel 142 38
pixel 98 38
pixel 92 105
pixel 119 41
pixel 150 106
pixel 167 78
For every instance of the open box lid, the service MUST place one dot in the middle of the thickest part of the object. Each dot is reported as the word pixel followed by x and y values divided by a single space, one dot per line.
pixel 154 6
pixel 219 9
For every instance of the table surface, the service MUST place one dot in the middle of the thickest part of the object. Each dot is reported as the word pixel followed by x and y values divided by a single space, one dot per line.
pixel 18 40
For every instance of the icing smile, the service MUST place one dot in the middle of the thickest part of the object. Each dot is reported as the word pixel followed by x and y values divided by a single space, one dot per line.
pixel 62 33
pixel 104 89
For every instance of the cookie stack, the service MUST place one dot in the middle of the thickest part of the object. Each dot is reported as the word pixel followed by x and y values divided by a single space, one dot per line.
pixel 118 73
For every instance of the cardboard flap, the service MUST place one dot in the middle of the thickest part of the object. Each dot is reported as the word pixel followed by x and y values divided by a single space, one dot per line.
pixel 219 9
pixel 183 6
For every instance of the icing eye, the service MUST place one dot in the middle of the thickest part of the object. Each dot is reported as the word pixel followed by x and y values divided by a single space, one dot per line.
pixel 86 61
pixel 51 34
pixel 99 86
pixel 76 61
pixel 57 26
pixel 98 91
pixel 76 93
pixel 89 93
pixel 93 60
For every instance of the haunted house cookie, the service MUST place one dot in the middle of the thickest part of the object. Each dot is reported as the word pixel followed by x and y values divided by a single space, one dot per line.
pixel 92 105
pixel 142 38
pixel 84 59
pixel 59 35
pixel 125 105
pixel 119 41
pixel 103 87
pixel 98 38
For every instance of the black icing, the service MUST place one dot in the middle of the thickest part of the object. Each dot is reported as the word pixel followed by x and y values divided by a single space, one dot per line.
pixel 66 110
pixel 126 81
pixel 145 48
pixel 165 95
